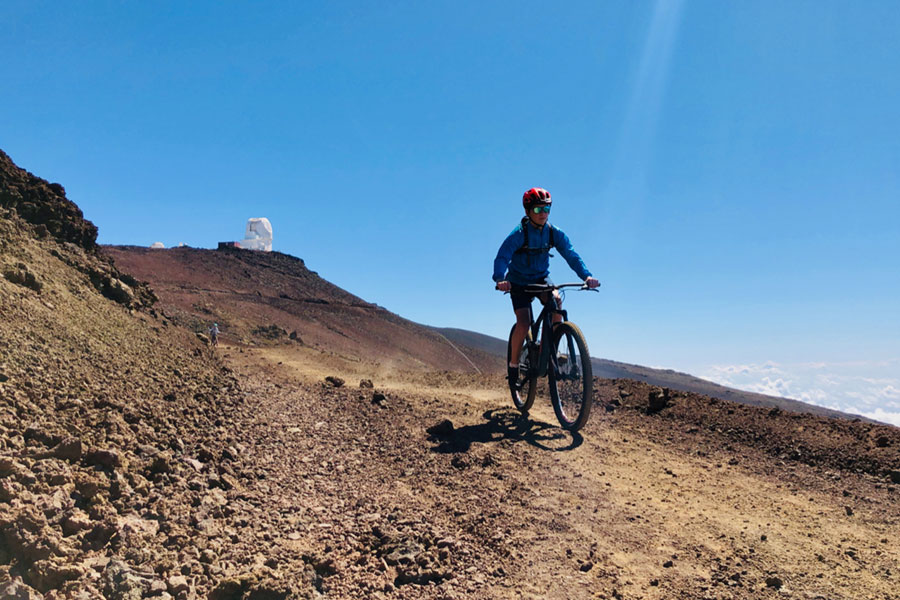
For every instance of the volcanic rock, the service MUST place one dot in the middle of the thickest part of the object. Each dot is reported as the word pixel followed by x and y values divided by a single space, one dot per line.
pixel 658 400
pixel 15 589
pixel 334 381
pixel 69 449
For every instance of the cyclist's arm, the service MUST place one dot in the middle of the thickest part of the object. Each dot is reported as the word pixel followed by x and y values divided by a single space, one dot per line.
pixel 567 251
pixel 504 255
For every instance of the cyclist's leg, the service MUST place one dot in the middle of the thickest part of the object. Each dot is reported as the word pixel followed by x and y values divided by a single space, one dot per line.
pixel 522 307
pixel 523 320
pixel 557 318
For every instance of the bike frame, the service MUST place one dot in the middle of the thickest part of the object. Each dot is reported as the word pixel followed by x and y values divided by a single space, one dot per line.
pixel 544 322
pixel 546 360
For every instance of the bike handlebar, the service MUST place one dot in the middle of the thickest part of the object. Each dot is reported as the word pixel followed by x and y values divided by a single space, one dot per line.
pixel 537 288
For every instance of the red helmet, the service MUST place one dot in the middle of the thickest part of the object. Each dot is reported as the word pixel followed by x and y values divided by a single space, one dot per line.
pixel 536 196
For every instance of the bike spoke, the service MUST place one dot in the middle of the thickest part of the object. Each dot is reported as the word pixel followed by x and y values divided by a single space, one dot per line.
pixel 569 385
pixel 572 380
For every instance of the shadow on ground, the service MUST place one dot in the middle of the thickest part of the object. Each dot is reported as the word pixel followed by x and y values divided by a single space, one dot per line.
pixel 506 424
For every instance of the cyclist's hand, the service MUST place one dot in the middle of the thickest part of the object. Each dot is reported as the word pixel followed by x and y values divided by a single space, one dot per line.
pixel 504 286
pixel 591 282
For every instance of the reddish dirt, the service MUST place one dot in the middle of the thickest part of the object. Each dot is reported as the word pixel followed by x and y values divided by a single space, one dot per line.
pixel 258 298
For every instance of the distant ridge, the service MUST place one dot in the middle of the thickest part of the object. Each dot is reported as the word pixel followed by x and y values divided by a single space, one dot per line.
pixel 270 297
pixel 610 369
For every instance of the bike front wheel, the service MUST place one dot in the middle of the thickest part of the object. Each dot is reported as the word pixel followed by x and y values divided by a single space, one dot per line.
pixel 571 377
pixel 526 384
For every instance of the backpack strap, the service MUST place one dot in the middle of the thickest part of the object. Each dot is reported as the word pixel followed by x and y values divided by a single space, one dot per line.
pixel 525 247
pixel 524 225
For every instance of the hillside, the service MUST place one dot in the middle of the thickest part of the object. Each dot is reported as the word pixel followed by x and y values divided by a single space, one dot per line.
pixel 102 402
pixel 264 297
pixel 136 462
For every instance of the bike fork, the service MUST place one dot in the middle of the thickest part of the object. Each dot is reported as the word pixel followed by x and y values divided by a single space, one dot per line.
pixel 573 363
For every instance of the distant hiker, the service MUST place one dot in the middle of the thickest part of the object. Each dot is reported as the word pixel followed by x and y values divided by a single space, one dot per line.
pixel 214 334
pixel 524 259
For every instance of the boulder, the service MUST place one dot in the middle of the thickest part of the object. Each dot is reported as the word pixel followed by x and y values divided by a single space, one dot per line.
pixel 120 582
pixel 15 589
pixel 657 400
pixel 69 449
pixel 20 275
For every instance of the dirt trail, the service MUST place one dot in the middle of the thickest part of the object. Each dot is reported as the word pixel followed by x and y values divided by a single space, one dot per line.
pixel 517 508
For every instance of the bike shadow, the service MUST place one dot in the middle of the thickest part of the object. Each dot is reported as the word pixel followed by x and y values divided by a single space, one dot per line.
pixel 507 424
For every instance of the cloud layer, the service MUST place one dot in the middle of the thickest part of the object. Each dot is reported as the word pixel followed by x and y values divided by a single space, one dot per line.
pixel 871 389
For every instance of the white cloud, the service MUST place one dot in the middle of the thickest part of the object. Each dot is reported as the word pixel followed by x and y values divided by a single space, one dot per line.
pixel 889 392
pixel 772 387
pixel 878 380
pixel 817 397
pixel 726 374
pixel 884 416
pixel 815 365
pixel 870 388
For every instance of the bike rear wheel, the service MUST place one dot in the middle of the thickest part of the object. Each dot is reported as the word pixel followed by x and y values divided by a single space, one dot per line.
pixel 570 377
pixel 526 385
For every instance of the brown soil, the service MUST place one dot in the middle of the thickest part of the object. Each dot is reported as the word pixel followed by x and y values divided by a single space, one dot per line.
pixel 639 506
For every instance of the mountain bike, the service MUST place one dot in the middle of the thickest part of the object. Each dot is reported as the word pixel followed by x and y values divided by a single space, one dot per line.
pixel 565 361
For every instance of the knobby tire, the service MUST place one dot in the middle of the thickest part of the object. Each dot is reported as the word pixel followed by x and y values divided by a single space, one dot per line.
pixel 571 378
pixel 523 397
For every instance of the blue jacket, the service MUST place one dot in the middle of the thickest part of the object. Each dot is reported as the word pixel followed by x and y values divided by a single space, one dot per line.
pixel 522 268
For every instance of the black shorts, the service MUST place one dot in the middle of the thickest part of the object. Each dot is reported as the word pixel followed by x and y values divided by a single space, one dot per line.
pixel 522 299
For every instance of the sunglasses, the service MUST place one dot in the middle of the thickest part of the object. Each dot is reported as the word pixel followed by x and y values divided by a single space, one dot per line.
pixel 541 209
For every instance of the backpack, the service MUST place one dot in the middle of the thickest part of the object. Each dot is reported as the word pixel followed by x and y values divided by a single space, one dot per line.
pixel 525 247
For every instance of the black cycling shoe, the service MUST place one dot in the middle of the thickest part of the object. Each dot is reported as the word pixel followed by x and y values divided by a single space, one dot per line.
pixel 512 374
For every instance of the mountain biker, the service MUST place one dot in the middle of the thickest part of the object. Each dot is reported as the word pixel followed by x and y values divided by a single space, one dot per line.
pixel 214 334
pixel 524 259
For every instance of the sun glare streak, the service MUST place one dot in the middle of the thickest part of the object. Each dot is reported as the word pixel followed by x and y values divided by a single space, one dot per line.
pixel 634 147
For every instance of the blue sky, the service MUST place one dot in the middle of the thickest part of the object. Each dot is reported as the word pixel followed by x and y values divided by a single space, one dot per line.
pixel 729 171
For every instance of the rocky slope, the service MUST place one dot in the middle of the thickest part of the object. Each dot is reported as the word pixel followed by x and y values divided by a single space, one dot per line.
pixel 44 206
pixel 103 403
